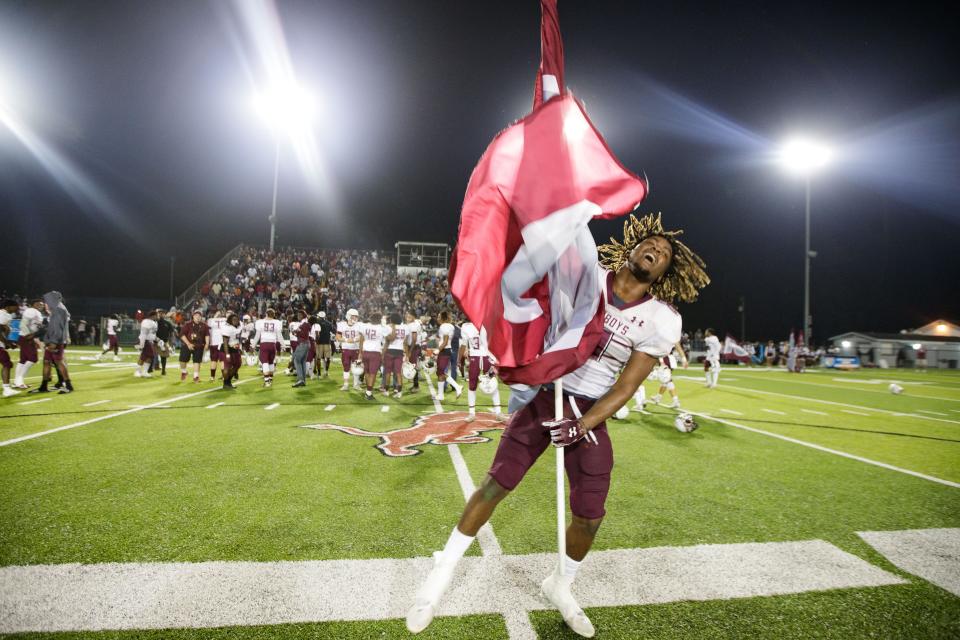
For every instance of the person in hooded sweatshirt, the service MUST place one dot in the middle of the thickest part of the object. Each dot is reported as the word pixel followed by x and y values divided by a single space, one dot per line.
pixel 54 342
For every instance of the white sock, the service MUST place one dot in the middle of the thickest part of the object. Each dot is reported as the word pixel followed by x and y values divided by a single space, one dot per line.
pixel 440 385
pixel 570 567
pixel 6 385
pixel 716 374
pixel 26 370
pixel 457 545
pixel 346 377
pixel 472 401
pixel 265 368
pixel 496 400
pixel 356 379
pixel 18 375
pixel 144 367
pixel 455 386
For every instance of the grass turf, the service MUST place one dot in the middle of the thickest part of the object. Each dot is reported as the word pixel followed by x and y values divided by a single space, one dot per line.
pixel 237 482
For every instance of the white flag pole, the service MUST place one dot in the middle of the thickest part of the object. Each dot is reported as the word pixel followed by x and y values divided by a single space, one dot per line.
pixel 561 488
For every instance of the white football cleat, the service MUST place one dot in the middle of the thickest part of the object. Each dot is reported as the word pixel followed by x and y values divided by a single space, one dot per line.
pixel 428 595
pixel 345 387
pixel 556 589
pixel 7 392
pixel 470 417
pixel 675 404
pixel 137 374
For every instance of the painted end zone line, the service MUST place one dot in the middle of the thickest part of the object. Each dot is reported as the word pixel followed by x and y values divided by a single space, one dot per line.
pixel 111 415
pixel 883 465
pixel 271 407
pixel 78 597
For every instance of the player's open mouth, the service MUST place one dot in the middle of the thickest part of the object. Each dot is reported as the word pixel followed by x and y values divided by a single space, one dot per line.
pixel 649 258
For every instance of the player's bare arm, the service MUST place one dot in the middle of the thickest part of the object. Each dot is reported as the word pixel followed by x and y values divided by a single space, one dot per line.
pixel 634 373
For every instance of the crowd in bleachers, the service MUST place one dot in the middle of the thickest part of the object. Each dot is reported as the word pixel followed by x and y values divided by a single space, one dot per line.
pixel 329 280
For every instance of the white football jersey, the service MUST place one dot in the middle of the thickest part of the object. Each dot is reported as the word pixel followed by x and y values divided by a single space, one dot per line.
pixel 373 335
pixel 148 330
pixel 414 328
pixel 315 330
pixel 5 318
pixel 351 335
pixel 292 327
pixel 446 329
pixel 112 325
pixel 30 321
pixel 647 325
pixel 248 330
pixel 268 330
pixel 713 347
pixel 215 324
pixel 475 341
pixel 230 335
pixel 399 337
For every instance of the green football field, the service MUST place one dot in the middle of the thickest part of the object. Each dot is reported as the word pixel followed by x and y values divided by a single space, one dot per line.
pixel 805 506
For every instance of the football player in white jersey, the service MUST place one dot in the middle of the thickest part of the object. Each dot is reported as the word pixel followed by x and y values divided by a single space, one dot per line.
pixel 473 350
pixel 650 268
pixel 31 323
pixel 232 361
pixel 711 363
pixel 348 335
pixel 393 358
pixel 7 309
pixel 414 340
pixel 269 332
pixel 664 374
pixel 113 343
pixel 444 356
pixel 216 323
pixel 373 335
pixel 148 339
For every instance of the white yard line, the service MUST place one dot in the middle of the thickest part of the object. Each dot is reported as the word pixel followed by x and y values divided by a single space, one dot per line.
pixel 385 408
pixel 36 401
pixel 933 413
pixel 831 402
pixel 271 407
pixel 330 407
pixel 814 412
pixel 932 554
pixel 83 423
pixel 96 402
pixel 854 413
pixel 215 405
pixel 736 413
pixel 845 388
pixel 93 597
pixel 774 411
pixel 851 456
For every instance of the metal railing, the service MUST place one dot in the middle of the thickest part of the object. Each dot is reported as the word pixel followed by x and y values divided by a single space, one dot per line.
pixel 190 293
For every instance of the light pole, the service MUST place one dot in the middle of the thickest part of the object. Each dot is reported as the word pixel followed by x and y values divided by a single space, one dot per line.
pixel 804 157
pixel 286 108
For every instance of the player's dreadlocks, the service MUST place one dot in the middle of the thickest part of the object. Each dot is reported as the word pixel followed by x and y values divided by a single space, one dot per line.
pixel 686 275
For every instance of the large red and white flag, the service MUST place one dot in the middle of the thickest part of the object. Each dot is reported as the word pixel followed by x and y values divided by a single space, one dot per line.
pixel 525 264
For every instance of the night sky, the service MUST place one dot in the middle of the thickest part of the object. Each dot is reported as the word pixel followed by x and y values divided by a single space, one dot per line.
pixel 144 109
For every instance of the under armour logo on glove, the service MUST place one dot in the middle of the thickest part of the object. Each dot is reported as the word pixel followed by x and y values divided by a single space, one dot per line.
pixel 565 432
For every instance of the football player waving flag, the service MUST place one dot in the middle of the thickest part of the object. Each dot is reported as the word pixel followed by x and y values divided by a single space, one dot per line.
pixel 526 268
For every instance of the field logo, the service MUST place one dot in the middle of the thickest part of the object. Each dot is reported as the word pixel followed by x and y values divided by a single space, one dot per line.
pixel 437 428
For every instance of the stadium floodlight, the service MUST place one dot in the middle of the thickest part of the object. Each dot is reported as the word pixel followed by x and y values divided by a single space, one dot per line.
pixel 285 108
pixel 804 157
pixel 917 346
pixel 845 344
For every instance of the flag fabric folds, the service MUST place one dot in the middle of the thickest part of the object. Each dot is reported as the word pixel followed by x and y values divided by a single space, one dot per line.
pixel 525 264
pixel 732 350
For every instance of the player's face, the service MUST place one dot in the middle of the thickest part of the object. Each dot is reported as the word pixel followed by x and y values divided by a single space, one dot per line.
pixel 650 259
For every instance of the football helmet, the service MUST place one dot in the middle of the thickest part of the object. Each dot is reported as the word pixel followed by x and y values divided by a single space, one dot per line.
pixel 685 423
pixel 895 388
pixel 622 413
pixel 357 368
pixel 252 360
pixel 488 383
pixel 409 371
pixel 430 365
